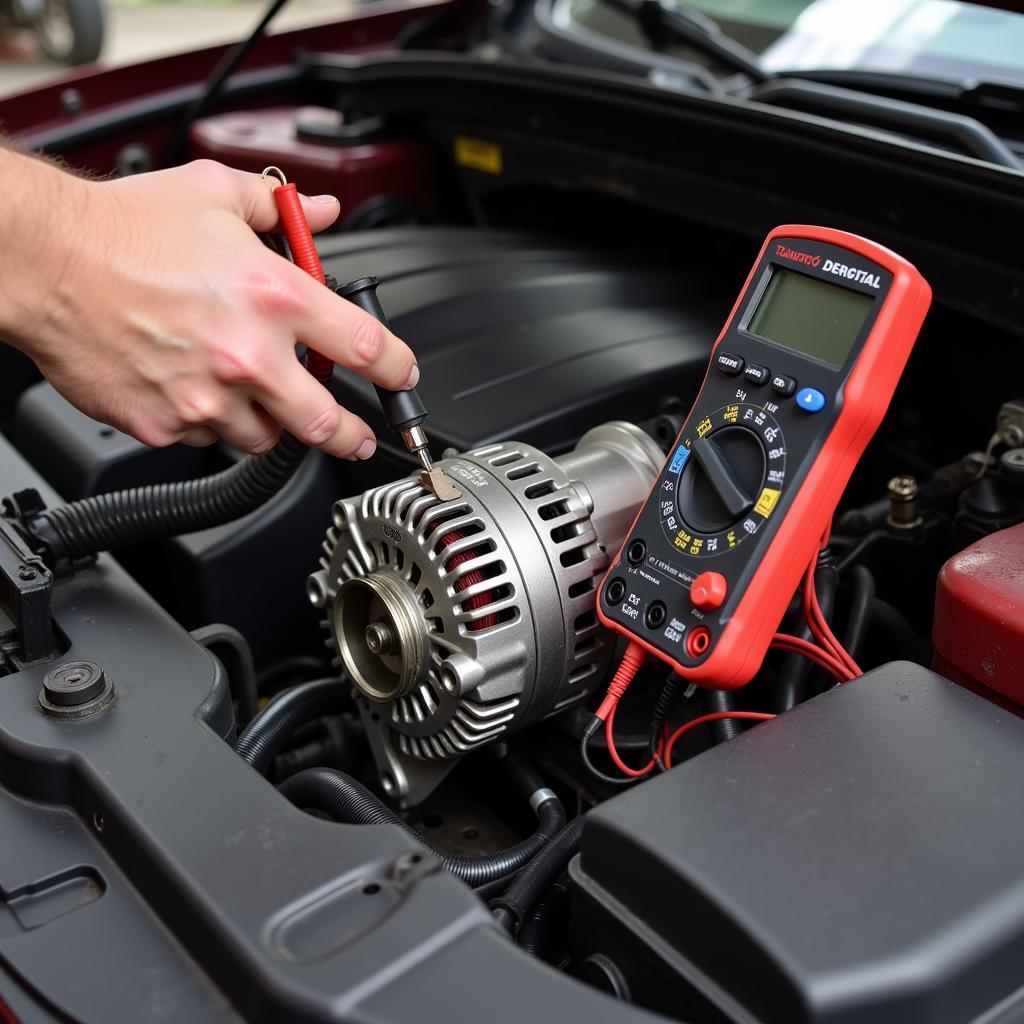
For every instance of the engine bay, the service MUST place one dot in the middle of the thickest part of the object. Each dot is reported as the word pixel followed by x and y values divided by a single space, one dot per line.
pixel 321 761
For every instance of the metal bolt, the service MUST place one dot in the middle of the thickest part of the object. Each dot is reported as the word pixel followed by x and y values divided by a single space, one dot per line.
pixel 380 638
pixel 26 572
pixel 903 511
pixel 903 488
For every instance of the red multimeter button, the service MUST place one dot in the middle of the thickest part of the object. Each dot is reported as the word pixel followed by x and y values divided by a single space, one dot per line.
pixel 708 590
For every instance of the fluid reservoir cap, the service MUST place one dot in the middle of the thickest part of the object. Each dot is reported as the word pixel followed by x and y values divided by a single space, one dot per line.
pixel 708 590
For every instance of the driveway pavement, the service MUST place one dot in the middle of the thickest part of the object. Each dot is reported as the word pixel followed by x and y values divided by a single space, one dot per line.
pixel 137 33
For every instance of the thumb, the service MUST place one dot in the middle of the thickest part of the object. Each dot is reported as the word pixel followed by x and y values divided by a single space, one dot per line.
pixel 254 197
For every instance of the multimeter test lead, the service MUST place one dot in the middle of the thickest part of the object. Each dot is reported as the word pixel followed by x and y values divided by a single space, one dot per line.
pixel 404 412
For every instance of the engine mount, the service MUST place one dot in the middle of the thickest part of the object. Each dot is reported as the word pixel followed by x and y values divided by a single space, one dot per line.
pixel 461 621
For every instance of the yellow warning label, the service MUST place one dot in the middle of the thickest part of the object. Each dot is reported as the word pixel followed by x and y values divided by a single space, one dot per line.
pixel 767 501
pixel 480 155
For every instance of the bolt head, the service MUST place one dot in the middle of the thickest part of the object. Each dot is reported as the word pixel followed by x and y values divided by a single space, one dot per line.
pixel 903 487
pixel 380 638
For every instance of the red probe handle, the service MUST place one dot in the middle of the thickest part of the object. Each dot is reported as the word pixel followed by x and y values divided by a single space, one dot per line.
pixel 296 230
pixel 300 241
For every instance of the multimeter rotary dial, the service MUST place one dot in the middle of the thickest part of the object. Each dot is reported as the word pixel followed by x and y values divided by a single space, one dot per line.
pixel 724 481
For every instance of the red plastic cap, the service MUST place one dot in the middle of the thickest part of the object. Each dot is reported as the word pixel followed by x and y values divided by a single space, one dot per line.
pixel 708 590
pixel 978 630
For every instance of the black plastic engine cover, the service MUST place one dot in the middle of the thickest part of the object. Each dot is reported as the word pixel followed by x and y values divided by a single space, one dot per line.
pixel 859 859
pixel 526 338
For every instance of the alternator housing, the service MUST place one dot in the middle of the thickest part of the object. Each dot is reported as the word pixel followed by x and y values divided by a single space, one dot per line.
pixel 461 621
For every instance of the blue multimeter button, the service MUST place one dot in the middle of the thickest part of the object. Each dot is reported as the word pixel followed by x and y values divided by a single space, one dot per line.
pixel 810 400
pixel 682 453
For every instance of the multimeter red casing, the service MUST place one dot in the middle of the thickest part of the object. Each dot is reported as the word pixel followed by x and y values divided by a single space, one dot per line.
pixel 808 456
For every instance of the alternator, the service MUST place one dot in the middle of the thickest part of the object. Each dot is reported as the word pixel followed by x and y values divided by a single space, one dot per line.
pixel 461 621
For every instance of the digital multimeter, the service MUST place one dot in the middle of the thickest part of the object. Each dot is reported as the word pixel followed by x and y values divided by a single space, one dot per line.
pixel 798 382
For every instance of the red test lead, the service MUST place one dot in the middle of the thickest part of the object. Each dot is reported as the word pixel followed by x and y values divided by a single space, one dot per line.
pixel 304 254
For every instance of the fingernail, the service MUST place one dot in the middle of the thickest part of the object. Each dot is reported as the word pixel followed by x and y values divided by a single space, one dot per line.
pixel 414 378
pixel 366 449
pixel 323 199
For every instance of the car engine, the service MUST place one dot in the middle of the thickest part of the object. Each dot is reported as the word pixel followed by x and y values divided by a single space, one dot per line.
pixel 320 744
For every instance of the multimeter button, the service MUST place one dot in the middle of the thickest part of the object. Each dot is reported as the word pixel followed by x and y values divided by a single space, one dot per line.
pixel 756 374
pixel 730 365
pixel 810 400
pixel 708 590
pixel 785 386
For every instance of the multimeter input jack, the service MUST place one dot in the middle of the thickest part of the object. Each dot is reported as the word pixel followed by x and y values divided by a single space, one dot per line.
pixel 656 615
pixel 636 552
pixel 616 591
pixel 698 641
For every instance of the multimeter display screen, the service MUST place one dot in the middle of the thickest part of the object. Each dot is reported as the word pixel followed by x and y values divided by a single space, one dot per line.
pixel 811 316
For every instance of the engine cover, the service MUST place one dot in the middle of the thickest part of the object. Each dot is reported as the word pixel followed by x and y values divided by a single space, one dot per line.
pixel 460 621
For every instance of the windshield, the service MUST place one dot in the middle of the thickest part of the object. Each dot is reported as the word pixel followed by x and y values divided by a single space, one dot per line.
pixel 940 39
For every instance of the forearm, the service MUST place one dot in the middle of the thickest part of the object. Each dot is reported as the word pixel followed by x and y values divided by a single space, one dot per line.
pixel 44 206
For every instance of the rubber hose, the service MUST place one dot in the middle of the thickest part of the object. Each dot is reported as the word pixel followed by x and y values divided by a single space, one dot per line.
pixel 527 888
pixel 795 670
pixel 535 933
pixel 346 800
pixel 893 623
pixel 857 622
pixel 724 729
pixel 268 732
pixel 104 521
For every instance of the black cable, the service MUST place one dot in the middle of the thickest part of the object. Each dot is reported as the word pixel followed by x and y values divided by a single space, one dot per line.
pixel 723 729
pixel 612 780
pixel 526 889
pixel 224 69
pixel 84 528
pixel 267 733
pixel 865 544
pixel 298 668
pixel 672 692
pixel 232 649
pixel 859 618
pixel 346 800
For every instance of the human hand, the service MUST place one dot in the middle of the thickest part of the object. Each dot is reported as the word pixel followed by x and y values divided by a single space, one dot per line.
pixel 150 304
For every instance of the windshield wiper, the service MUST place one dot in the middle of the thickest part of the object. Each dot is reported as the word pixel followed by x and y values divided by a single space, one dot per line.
pixel 914 119
pixel 662 24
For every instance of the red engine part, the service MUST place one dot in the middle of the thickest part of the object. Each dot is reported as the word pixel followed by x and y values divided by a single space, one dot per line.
pixel 978 631
pixel 358 173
